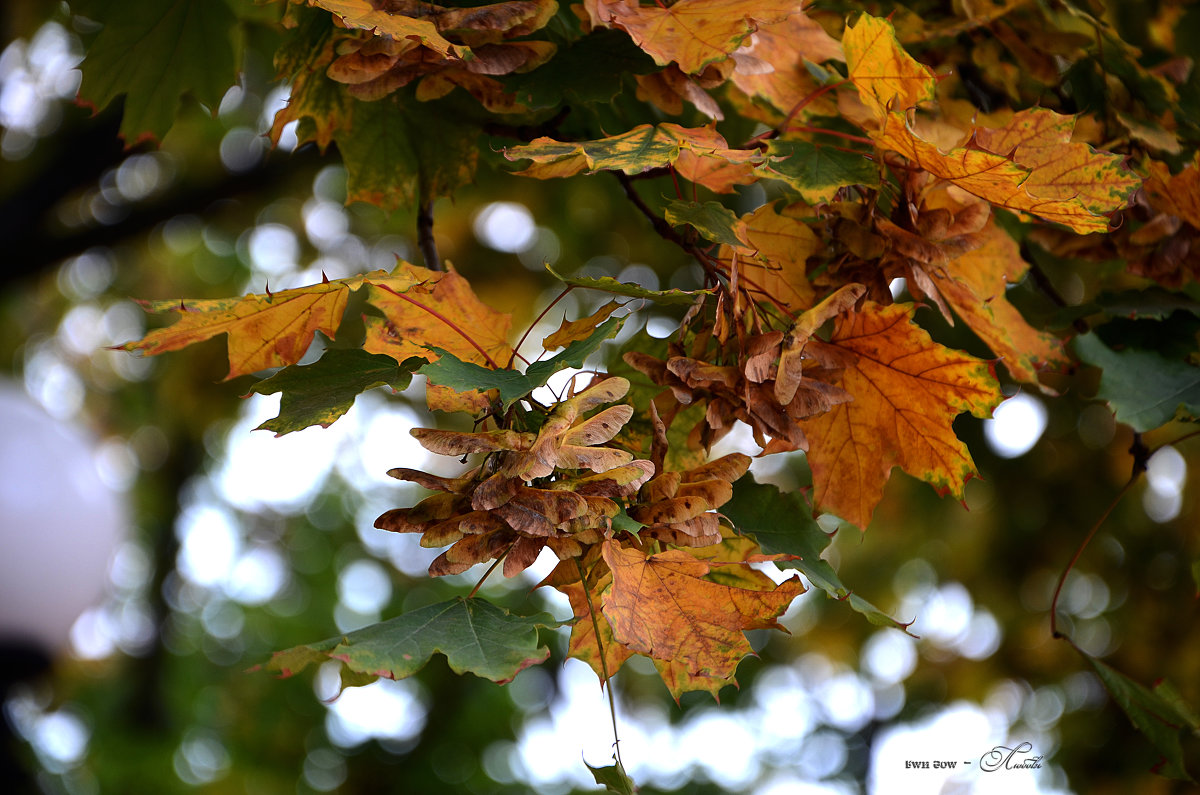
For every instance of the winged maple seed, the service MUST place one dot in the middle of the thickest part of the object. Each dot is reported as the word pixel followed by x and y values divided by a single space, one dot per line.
pixel 556 488
pixel 679 507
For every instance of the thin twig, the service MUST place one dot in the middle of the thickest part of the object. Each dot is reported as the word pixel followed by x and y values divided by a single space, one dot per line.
pixel 664 229
pixel 1078 552
pixel 612 702
pixel 1141 454
pixel 537 320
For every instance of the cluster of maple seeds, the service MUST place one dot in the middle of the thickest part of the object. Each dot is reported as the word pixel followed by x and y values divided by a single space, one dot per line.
pixel 559 488
pixel 435 49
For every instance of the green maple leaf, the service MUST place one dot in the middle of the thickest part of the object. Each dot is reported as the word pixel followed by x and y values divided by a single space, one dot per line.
pixel 1159 713
pixel 816 172
pixel 396 151
pixel 474 635
pixel 712 219
pixel 1144 388
pixel 782 523
pixel 450 371
pixel 321 392
pixel 154 52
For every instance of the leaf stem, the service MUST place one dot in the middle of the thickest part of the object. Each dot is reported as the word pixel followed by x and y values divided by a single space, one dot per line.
pixel 802 104
pixel 612 702
pixel 537 320
pixel 858 139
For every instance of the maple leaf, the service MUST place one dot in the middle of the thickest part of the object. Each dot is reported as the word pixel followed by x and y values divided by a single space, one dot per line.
pixel 395 152
pixel 816 172
pixel 1040 140
pixel 1159 712
pixel 975 283
pixel 691 33
pixel 1145 388
pixel 773 250
pixel 785 46
pixel 320 393
pixel 663 606
pixel 264 330
pixel 608 284
pixel 907 391
pixel 583 643
pixel 512 385
pixel 189 42
pixel 474 635
pixel 640 149
pixel 578 330
pixel 437 309
pixel 317 103
pixel 782 523
pixel 1178 194
pixel 887 77
pixel 993 177
pixel 713 220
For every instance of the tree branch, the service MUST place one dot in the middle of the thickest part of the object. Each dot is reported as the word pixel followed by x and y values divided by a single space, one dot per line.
pixel 425 239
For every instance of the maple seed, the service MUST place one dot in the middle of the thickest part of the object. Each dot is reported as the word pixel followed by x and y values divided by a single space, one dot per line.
pixel 528 495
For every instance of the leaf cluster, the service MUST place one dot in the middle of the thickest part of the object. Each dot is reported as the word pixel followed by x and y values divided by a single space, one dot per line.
pixel 872 166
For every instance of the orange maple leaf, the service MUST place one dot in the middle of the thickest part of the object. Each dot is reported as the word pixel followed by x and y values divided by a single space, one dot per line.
pixel 663 606
pixel 1177 195
pixel 583 645
pixel 974 284
pixel 785 46
pixel 771 263
pixel 438 309
pixel 575 330
pixel 887 77
pixel 907 391
pixel 993 177
pixel 692 33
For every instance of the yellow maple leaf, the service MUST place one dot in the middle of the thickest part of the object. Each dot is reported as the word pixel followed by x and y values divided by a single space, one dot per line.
pixel 1040 140
pixel 575 330
pixel 887 77
pixel 662 606
pixel 990 176
pixel 367 16
pixel 907 391
pixel 263 330
pixel 692 33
